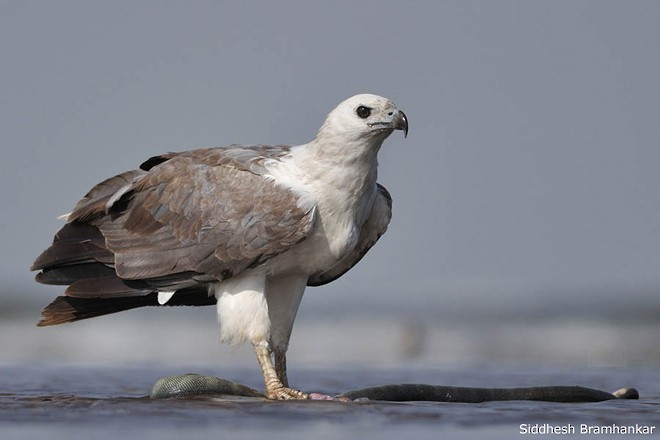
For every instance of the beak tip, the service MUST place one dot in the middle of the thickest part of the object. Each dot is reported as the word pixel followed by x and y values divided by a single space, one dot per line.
pixel 403 123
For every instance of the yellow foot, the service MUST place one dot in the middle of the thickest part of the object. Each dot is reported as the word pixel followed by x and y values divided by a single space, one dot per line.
pixel 284 393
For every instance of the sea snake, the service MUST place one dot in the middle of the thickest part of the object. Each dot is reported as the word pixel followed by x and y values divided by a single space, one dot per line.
pixel 191 385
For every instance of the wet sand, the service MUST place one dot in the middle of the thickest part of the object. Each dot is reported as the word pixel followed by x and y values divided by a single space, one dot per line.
pixel 91 379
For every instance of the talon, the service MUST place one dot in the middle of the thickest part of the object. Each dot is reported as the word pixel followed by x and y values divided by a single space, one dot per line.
pixel 284 393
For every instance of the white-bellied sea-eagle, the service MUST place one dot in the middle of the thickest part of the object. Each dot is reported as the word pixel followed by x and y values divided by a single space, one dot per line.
pixel 246 228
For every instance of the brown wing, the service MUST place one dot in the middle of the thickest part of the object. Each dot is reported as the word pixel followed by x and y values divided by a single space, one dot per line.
pixel 371 231
pixel 201 213
pixel 181 221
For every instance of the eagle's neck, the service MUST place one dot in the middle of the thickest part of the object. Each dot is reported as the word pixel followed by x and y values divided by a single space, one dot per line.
pixel 350 168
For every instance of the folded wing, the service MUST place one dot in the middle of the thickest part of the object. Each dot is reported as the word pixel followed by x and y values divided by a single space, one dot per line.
pixel 179 222
pixel 371 231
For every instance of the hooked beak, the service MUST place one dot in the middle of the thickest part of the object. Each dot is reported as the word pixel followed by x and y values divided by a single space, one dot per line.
pixel 398 121
pixel 401 122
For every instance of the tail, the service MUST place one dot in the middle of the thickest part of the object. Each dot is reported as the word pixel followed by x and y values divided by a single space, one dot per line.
pixel 69 309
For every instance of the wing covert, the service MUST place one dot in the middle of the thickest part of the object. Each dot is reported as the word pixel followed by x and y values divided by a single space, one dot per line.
pixel 204 211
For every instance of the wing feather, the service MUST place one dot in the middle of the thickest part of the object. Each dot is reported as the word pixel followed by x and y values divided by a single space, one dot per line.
pixel 204 214
pixel 209 212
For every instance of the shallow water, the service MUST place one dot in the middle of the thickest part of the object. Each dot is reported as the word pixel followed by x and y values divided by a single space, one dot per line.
pixel 61 401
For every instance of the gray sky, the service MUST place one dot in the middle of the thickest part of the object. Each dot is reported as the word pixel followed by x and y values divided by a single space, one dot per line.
pixel 532 160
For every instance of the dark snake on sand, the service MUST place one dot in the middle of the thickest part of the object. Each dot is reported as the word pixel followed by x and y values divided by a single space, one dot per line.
pixel 195 385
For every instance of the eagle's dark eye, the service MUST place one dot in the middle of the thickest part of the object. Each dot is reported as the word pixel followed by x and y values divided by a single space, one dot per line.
pixel 363 111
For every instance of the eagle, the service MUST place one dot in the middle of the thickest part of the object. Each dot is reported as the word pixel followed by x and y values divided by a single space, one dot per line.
pixel 243 227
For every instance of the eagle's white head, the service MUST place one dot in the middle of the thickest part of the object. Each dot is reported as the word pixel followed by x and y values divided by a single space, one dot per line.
pixel 364 117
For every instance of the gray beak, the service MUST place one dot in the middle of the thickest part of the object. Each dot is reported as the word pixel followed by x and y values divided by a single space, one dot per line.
pixel 397 121
pixel 401 122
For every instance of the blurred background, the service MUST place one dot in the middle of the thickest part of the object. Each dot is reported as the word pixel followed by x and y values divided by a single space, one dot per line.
pixel 526 221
